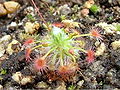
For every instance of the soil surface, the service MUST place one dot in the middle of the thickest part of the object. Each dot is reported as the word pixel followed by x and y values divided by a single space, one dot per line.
pixel 103 73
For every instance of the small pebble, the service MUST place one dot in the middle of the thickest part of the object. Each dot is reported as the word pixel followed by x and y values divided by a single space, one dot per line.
pixel 97 43
pixel 70 23
pixel 64 10
pixel 21 79
pixel 28 10
pixel 17 76
pixel 100 50
pixel 5 38
pixel 11 6
pixel 2 50
pixel 85 12
pixel 115 44
pixel 42 85
pixel 9 49
pixel 1 87
pixel 26 79
pixel 13 24
pixel 3 11
pixel 80 83
pixel 31 28
pixel 89 3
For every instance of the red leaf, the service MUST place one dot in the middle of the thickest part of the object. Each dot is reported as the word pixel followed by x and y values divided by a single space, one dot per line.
pixel 90 56
pixel 29 41
pixel 60 25
pixel 95 33
pixel 27 54
pixel 40 65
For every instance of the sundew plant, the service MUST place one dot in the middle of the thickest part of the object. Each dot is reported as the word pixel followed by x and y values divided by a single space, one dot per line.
pixel 60 51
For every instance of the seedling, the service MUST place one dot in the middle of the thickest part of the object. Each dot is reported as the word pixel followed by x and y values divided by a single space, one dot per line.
pixel 51 9
pixel 95 9
pixel 3 71
pixel 110 18
pixel 117 27
pixel 63 17
pixel 71 87
pixel 59 50
pixel 30 17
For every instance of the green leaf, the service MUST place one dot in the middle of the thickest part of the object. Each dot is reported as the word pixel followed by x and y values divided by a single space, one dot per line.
pixel 117 27
pixel 71 87
pixel 95 9
pixel 30 17
pixel 3 71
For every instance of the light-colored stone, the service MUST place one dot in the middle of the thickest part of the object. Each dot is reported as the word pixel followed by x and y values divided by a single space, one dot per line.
pixel 115 44
pixel 9 48
pixel 70 23
pixel 64 10
pixel 31 28
pixel 29 10
pixel 1 87
pixel 97 43
pixel 100 50
pixel 2 50
pixel 13 24
pixel 80 83
pixel 11 6
pixel 28 28
pixel 26 79
pixel 3 43
pixel 42 85
pixel 5 38
pixel 3 11
pixel 17 77
pixel 89 3
pixel 21 79
pixel 84 12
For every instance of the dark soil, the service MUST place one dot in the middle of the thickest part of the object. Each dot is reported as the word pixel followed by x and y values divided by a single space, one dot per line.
pixel 103 73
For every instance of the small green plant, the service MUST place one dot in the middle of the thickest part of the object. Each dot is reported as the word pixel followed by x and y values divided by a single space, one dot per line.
pixel 117 27
pixel 59 50
pixel 51 9
pixel 63 17
pixel 71 87
pixel 95 9
pixel 110 18
pixel 30 17
pixel 3 71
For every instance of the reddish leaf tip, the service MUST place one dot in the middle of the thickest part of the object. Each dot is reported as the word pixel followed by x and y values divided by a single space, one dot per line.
pixel 27 54
pixel 57 24
pixel 40 65
pixel 95 33
pixel 90 56
pixel 29 41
